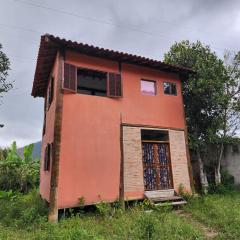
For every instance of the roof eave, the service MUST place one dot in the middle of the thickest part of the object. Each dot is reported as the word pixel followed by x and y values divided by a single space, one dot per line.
pixel 49 45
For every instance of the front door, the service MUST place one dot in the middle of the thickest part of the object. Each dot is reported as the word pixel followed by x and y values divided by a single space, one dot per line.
pixel 156 166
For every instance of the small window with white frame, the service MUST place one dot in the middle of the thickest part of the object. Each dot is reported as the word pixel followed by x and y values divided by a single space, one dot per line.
pixel 148 87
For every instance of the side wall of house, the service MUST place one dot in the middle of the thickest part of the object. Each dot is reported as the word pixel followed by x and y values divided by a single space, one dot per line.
pixel 90 147
pixel 45 176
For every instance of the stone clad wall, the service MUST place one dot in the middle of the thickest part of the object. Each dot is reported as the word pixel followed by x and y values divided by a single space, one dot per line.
pixel 179 159
pixel 133 167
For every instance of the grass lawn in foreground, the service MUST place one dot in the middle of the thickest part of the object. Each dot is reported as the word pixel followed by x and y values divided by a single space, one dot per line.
pixel 218 211
pixel 25 218
pixel 132 224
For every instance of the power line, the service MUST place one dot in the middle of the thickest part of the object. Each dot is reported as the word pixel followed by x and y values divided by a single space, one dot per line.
pixel 90 18
pixel 176 24
pixel 25 29
pixel 99 21
pixel 155 34
pixel 20 28
pixel 39 32
pixel 75 15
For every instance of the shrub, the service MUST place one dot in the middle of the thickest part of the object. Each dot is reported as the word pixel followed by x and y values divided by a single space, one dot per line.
pixel 8 195
pixel 146 224
pixel 16 173
pixel 23 210
pixel 225 187
pixel 227 179
pixel 104 209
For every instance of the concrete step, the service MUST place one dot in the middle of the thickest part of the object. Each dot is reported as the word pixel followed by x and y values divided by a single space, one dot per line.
pixel 159 193
pixel 182 202
pixel 165 199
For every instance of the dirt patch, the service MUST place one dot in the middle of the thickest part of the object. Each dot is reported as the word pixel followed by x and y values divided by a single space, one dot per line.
pixel 207 232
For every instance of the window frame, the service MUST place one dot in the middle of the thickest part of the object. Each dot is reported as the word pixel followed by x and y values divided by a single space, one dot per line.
pixel 44 117
pixel 66 78
pixel 117 77
pixel 155 86
pixel 108 74
pixel 95 70
pixel 44 124
pixel 50 92
pixel 170 83
pixel 47 157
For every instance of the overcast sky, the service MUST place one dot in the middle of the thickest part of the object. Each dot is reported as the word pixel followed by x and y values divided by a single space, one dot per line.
pixel 142 27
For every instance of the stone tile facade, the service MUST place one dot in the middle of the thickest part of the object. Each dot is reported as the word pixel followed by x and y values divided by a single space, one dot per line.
pixel 133 167
pixel 179 159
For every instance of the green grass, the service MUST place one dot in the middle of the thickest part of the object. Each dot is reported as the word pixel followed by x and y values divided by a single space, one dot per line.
pixel 25 218
pixel 218 211
pixel 132 225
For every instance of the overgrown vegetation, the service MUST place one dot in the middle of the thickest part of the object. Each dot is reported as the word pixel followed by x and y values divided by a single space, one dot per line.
pixel 25 218
pixel 218 211
pixel 23 210
pixel 18 174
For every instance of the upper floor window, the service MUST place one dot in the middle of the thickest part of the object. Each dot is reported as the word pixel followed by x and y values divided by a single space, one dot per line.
pixel 91 82
pixel 170 88
pixel 148 87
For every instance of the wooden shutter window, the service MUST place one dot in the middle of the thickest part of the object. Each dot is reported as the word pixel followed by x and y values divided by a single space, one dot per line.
pixel 114 85
pixel 44 124
pixel 111 84
pixel 50 92
pixel 118 85
pixel 47 157
pixel 44 118
pixel 70 78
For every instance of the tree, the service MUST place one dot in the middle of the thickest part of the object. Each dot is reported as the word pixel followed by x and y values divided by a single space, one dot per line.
pixel 230 107
pixel 202 95
pixel 5 86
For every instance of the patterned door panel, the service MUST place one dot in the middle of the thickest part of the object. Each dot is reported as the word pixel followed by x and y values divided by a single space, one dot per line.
pixel 156 166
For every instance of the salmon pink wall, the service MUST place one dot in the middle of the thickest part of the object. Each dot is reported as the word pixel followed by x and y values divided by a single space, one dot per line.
pixel 45 176
pixel 90 145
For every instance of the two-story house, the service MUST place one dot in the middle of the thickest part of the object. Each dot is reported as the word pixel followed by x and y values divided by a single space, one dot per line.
pixel 114 125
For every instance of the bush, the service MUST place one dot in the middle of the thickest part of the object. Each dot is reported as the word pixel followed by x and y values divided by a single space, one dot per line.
pixel 227 179
pixel 8 195
pixel 16 173
pixel 23 210
pixel 109 209
pixel 147 226
pixel 225 187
